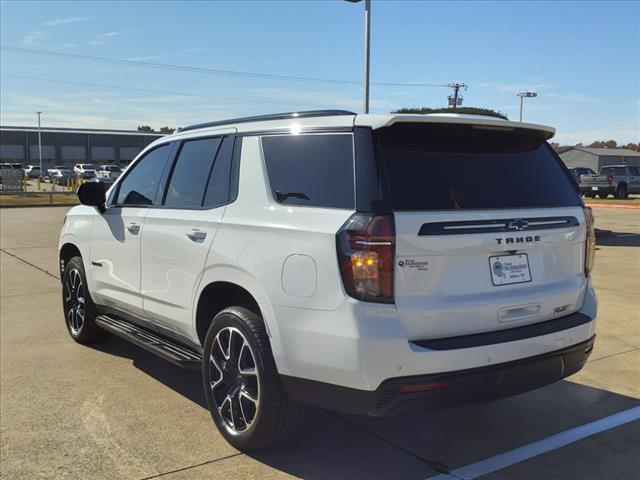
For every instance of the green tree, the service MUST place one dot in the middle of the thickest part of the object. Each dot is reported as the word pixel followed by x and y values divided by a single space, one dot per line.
pixel 464 110
pixel 145 128
pixel 167 130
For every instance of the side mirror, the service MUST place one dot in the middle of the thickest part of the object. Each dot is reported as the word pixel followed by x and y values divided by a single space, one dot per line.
pixel 93 194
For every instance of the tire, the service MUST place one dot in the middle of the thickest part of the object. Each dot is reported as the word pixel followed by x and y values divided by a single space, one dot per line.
pixel 603 195
pixel 621 192
pixel 590 195
pixel 250 409
pixel 79 309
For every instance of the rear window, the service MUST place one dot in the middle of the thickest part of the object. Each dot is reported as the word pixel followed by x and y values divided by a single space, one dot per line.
pixel 613 170
pixel 311 170
pixel 449 167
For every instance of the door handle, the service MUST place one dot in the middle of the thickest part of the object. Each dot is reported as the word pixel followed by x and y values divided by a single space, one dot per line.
pixel 196 235
pixel 133 228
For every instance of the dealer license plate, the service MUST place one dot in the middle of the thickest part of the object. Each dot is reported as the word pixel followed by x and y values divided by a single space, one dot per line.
pixel 510 269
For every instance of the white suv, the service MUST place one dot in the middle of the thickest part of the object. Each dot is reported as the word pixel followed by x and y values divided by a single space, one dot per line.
pixel 361 263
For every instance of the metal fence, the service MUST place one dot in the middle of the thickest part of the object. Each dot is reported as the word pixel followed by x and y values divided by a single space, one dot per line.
pixel 12 180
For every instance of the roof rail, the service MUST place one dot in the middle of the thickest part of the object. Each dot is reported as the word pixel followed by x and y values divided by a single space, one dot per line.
pixel 275 116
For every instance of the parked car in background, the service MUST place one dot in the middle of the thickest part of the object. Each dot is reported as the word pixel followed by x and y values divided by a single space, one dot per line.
pixel 577 172
pixel 617 180
pixel 56 167
pixel 61 176
pixel 108 181
pixel 84 170
pixel 109 171
pixel 32 171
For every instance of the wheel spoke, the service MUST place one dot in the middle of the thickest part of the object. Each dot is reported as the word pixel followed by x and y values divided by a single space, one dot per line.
pixel 254 401
pixel 246 370
pixel 67 287
pixel 71 319
pixel 225 352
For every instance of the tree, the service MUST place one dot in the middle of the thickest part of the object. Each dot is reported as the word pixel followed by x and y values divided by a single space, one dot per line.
pixel 145 128
pixel 607 144
pixel 465 110
pixel 167 130
pixel 633 146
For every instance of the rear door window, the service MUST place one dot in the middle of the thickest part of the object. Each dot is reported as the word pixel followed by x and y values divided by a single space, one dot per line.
pixel 219 180
pixel 190 173
pixel 311 170
pixel 449 167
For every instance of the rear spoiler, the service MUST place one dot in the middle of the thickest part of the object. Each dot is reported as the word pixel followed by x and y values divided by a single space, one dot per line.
pixel 381 121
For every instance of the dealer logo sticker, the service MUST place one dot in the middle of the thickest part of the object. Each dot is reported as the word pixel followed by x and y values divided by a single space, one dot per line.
pixel 420 265
pixel 498 269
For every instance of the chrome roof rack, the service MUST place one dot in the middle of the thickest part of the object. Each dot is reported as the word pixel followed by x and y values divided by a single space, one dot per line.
pixel 261 118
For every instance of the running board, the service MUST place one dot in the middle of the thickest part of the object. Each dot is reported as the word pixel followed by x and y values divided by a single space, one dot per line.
pixel 169 350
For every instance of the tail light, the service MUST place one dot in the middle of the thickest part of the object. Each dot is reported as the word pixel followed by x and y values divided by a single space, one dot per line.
pixel 610 180
pixel 366 251
pixel 590 247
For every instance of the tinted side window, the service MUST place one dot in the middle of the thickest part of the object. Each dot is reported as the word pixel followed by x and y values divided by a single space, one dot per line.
pixel 140 184
pixel 218 187
pixel 191 172
pixel 613 170
pixel 311 170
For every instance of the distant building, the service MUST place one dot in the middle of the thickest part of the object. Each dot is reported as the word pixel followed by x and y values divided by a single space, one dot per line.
pixel 68 146
pixel 594 158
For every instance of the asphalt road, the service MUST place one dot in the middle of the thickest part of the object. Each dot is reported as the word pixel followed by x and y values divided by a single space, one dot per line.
pixel 116 412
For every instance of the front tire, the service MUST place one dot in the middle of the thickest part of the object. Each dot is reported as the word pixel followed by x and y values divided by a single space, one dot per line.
pixel 241 383
pixel 79 309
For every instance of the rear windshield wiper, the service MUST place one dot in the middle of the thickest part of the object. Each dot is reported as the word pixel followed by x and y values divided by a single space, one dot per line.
pixel 281 197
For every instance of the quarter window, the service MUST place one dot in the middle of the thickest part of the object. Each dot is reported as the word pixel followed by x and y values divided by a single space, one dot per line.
pixel 140 185
pixel 311 170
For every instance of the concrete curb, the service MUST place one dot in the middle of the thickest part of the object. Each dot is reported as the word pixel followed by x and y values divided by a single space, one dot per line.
pixel 599 205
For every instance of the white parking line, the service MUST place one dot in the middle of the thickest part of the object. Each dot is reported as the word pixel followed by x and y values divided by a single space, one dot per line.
pixel 517 455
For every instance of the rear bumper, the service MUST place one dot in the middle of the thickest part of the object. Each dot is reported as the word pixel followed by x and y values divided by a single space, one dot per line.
pixel 445 389
pixel 600 189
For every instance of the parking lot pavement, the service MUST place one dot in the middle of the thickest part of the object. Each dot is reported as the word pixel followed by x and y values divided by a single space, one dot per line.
pixel 114 411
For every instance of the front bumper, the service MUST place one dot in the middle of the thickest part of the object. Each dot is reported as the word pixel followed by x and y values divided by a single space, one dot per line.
pixel 451 388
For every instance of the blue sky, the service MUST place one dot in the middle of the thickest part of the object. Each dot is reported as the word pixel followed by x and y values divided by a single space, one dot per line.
pixel 583 58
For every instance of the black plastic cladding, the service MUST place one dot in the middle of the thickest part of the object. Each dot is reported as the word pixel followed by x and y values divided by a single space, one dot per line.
pixel 372 191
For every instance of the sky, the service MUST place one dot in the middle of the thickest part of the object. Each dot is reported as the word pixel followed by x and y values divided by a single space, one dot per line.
pixel 582 58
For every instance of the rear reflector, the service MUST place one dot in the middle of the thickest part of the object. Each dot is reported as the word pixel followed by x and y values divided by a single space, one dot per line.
pixel 424 387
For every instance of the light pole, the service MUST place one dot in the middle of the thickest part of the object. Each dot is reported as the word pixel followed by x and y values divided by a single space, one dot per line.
pixel 39 142
pixel 522 95
pixel 367 39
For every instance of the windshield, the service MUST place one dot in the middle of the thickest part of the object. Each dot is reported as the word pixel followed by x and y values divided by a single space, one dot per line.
pixel 446 167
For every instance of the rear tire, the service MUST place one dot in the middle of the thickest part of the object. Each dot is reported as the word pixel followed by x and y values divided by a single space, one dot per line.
pixel 241 383
pixel 79 309
pixel 603 195
pixel 590 195
pixel 621 192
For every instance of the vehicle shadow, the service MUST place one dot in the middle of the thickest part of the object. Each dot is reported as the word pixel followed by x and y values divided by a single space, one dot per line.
pixel 423 443
pixel 617 239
